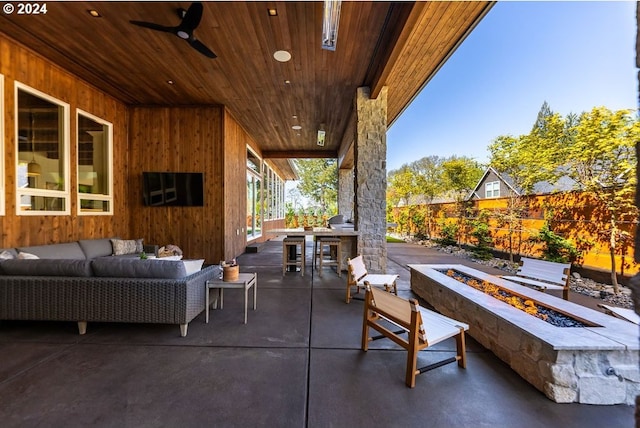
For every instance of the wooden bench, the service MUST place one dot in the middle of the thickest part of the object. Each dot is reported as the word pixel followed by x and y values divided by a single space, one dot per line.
pixel 423 327
pixel 543 275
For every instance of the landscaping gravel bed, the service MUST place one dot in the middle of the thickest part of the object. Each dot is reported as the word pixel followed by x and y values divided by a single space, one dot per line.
pixel 577 283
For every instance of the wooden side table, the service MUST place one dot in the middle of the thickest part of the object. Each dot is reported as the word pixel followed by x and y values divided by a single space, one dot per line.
pixel 244 281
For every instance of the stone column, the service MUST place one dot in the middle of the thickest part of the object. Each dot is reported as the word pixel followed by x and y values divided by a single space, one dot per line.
pixel 370 156
pixel 346 193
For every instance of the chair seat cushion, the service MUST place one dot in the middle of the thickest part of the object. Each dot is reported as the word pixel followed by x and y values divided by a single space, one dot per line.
pixel 377 279
pixel 438 327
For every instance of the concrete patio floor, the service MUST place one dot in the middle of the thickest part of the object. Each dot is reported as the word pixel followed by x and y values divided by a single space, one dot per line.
pixel 297 363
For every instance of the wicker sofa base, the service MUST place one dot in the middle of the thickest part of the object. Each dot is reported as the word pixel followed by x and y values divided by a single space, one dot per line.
pixel 100 299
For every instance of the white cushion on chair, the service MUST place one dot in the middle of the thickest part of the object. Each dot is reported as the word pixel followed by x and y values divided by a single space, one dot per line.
pixel 437 327
pixel 377 279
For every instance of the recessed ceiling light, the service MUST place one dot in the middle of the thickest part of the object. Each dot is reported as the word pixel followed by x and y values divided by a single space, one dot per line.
pixel 94 13
pixel 296 127
pixel 287 82
pixel 294 117
pixel 272 11
pixel 282 56
pixel 171 82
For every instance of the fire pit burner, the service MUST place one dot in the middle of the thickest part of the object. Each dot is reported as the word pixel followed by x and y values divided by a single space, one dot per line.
pixel 527 305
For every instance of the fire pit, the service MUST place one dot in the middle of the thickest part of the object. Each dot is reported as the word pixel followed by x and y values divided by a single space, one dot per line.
pixel 593 362
pixel 523 303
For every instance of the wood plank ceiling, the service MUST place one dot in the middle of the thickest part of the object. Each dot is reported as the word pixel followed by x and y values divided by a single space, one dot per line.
pixel 399 45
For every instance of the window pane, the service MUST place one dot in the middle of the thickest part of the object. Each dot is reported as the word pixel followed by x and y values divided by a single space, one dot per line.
pixel 89 205
pixel 41 203
pixel 93 156
pixel 42 180
pixel 41 142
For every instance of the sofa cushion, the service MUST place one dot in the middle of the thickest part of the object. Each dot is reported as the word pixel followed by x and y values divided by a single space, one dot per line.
pixel 127 246
pixel 136 268
pixel 70 250
pixel 46 267
pixel 93 248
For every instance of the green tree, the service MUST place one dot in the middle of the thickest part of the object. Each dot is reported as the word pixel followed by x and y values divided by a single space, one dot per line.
pixel 600 157
pixel 595 149
pixel 527 160
pixel 460 177
pixel 555 248
pixel 534 157
pixel 429 183
pixel 319 183
pixel 482 236
pixel 401 185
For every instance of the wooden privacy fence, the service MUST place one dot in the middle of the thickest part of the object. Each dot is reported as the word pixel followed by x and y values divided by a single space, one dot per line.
pixel 572 215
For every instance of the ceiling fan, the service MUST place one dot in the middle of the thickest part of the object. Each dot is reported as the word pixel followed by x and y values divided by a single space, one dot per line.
pixel 190 21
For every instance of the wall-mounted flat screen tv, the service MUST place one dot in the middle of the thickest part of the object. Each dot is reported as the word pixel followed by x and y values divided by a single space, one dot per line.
pixel 173 189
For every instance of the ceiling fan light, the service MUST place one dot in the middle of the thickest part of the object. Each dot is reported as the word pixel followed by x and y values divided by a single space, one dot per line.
pixel 282 56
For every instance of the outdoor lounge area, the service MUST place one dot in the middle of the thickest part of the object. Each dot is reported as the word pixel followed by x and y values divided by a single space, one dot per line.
pixel 296 363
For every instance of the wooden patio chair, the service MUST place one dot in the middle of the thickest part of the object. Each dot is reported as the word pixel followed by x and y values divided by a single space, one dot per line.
pixel 423 327
pixel 357 275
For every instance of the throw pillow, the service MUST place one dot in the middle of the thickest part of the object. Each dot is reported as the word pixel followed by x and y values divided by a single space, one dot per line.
pixel 169 250
pixel 27 256
pixel 193 266
pixel 6 255
pixel 127 246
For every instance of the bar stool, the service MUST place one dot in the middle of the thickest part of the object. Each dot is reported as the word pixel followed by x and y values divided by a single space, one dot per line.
pixel 334 254
pixel 290 253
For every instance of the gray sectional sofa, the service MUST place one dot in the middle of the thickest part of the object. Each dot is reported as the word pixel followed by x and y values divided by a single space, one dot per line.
pixel 83 282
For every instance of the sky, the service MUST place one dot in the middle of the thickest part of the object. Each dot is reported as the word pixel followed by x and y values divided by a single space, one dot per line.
pixel 574 55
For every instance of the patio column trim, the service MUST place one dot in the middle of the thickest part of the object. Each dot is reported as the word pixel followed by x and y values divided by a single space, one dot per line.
pixel 370 163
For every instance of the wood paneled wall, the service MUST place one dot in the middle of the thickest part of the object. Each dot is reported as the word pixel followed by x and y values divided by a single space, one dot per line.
pixel 235 188
pixel 20 64
pixel 191 139
pixel 186 139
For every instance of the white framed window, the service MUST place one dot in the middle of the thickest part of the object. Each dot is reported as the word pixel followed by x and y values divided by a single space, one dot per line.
pixel 255 209
pixel 95 164
pixel 492 189
pixel 2 192
pixel 42 153
pixel 274 194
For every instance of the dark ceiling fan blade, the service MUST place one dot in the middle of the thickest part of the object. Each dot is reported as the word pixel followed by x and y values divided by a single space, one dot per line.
pixel 200 47
pixel 153 26
pixel 192 18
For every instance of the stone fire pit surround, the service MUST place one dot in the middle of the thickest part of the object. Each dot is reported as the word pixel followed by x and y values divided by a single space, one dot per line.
pixel 590 365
